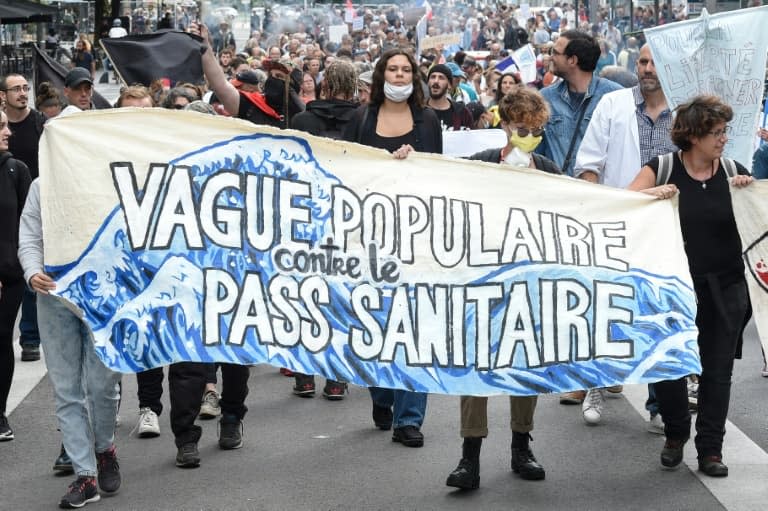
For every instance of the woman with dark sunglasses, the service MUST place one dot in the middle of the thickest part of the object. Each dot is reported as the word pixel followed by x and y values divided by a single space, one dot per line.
pixel 523 114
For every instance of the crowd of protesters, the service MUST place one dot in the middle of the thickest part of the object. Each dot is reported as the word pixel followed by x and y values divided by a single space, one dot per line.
pixel 374 88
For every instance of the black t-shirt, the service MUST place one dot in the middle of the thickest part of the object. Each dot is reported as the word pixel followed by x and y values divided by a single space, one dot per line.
pixel 392 144
pixel 711 239
pixel 24 142
pixel 446 117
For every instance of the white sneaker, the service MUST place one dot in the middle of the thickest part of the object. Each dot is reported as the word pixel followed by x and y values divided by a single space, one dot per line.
pixel 656 425
pixel 209 408
pixel 148 425
pixel 592 407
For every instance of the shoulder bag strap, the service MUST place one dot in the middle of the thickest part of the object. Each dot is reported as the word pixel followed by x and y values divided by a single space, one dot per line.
pixel 666 161
pixel 572 145
pixel 730 166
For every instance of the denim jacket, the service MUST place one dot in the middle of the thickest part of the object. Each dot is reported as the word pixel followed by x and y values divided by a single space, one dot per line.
pixel 563 117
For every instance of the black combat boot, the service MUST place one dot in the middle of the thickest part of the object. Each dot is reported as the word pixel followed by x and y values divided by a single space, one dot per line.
pixel 523 461
pixel 467 475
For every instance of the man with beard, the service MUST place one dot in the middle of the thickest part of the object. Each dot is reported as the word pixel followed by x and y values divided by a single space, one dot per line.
pixel 26 125
pixel 628 128
pixel 572 100
pixel 453 116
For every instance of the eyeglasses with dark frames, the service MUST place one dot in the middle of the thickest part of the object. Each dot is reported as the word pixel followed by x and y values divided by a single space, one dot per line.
pixel 524 132
pixel 18 89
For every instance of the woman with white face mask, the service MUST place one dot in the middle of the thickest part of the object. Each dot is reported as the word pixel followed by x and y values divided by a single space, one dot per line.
pixel 396 119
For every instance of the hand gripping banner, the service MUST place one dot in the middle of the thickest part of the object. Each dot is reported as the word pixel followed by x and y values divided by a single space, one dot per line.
pixel 179 236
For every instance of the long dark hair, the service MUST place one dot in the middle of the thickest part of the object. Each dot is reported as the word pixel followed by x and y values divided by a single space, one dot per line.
pixel 377 85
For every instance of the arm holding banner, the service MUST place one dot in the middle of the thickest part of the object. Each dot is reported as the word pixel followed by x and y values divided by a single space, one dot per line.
pixel 31 243
pixel 217 81
pixel 590 160
pixel 646 179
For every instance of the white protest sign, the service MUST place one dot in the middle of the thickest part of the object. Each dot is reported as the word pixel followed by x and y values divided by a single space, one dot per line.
pixel 438 40
pixel 525 58
pixel 723 54
pixel 349 15
pixel 358 24
pixel 468 142
pixel 335 32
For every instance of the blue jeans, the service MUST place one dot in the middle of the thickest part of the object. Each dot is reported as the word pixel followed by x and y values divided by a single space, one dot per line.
pixel 30 336
pixel 86 391
pixel 409 407
pixel 652 404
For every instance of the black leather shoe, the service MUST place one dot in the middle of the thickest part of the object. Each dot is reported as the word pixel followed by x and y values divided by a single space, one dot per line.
pixel 713 466
pixel 382 417
pixel 525 465
pixel 63 464
pixel 409 436
pixel 465 476
pixel 672 453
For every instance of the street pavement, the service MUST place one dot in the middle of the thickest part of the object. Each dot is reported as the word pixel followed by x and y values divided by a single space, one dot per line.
pixel 312 454
pixel 318 455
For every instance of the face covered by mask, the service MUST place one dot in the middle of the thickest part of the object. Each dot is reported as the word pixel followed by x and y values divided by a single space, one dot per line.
pixel 526 144
pixel 397 93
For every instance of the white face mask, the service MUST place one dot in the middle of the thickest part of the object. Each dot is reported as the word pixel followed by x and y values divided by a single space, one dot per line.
pixel 397 93
pixel 518 158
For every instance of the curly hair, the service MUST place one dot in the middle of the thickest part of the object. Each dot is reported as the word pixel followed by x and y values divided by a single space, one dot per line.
pixel 523 105
pixel 697 117
pixel 377 86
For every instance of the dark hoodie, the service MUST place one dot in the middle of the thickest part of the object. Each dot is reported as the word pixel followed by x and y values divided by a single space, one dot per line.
pixel 325 118
pixel 274 92
pixel 14 184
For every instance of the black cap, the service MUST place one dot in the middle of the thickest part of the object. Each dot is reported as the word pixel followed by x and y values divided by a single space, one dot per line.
pixel 441 68
pixel 249 77
pixel 77 76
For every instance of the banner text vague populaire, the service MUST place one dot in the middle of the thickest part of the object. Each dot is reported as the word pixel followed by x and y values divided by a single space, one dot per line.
pixel 339 261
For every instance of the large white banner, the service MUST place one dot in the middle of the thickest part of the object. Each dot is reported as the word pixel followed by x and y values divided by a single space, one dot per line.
pixel 179 236
pixel 722 54
pixel 750 206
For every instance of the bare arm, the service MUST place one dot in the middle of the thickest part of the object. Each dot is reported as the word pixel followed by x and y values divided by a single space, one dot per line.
pixel 645 182
pixel 217 81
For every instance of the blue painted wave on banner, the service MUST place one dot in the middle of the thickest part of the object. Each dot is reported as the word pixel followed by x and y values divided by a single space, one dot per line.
pixel 144 306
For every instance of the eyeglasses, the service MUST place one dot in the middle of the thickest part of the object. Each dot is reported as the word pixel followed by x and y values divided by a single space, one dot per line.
pixel 719 133
pixel 178 107
pixel 524 132
pixel 18 89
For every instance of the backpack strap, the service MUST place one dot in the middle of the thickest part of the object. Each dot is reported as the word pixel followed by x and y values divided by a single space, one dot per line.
pixel 730 166
pixel 40 119
pixel 665 168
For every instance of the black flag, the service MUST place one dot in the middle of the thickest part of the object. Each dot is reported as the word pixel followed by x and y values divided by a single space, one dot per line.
pixel 48 70
pixel 148 57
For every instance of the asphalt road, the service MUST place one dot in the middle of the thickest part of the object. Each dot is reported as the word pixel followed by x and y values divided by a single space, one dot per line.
pixel 319 455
